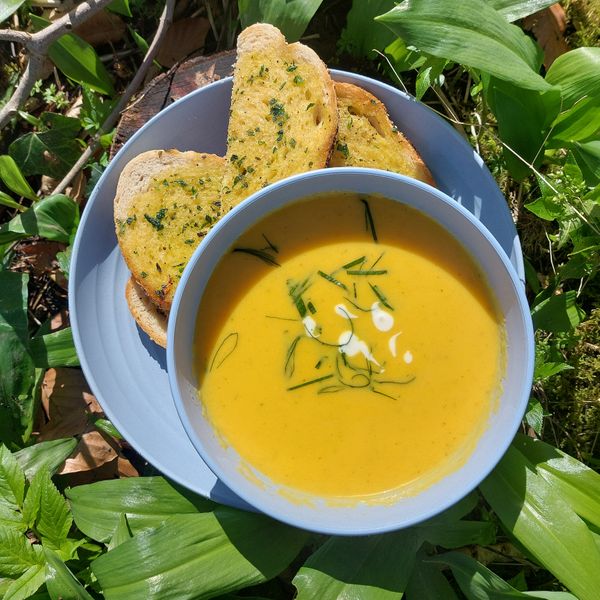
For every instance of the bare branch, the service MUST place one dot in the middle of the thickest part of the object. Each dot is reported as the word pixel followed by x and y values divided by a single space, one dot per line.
pixel 163 25
pixel 12 35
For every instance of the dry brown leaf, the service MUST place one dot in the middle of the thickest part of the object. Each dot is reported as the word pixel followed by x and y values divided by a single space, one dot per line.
pixel 183 38
pixel 548 27
pixel 102 28
pixel 91 452
pixel 67 400
pixel 125 468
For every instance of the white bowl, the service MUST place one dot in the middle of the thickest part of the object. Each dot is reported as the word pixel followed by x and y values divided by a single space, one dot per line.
pixel 361 517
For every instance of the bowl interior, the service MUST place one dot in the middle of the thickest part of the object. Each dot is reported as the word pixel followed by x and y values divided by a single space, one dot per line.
pixel 359 518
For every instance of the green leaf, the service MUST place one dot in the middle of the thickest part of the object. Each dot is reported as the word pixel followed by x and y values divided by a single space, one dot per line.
pixel 8 7
pixel 121 7
pixel 362 33
pixel 290 16
pixel 512 10
pixel 64 261
pixel 544 523
pixel 107 427
pixel 524 118
pixel 547 208
pixel 587 155
pixel 17 372
pixel 27 584
pixel 428 583
pixel 33 500
pixel 371 568
pixel 6 200
pixel 77 60
pixel 54 218
pixel 534 416
pixel 47 456
pixel 546 370
pixel 469 32
pixel 477 582
pixel 122 533
pixel 54 519
pixel 16 553
pixel 577 74
pixel 579 123
pixel 457 534
pixel 217 552
pixel 147 502
pixel 13 178
pixel 12 480
pixel 557 313
pixel 61 583
pixel 428 74
pixel 52 150
pixel 573 481
pixel 11 519
pixel 54 350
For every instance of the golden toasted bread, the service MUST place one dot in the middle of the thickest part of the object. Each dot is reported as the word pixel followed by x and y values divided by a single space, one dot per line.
pixel 283 113
pixel 147 315
pixel 166 202
pixel 367 137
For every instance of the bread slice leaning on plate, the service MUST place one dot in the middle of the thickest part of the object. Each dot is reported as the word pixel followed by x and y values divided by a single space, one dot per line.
pixel 283 114
pixel 367 137
pixel 147 315
pixel 166 202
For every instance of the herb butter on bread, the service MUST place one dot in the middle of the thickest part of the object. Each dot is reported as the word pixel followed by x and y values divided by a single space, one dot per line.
pixel 367 137
pixel 283 114
pixel 147 315
pixel 166 202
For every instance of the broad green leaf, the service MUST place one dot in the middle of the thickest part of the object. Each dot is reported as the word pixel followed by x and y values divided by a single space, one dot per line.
pixel 8 7
pixel 457 534
pixel 147 502
pixel 428 583
pixel 51 150
pixel 13 178
pixel 577 74
pixel 546 208
pixel 45 456
pixel 544 523
pixel 429 73
pixel 579 123
pixel 524 118
pixel 12 480
pixel 54 519
pixel 477 582
pixel 33 500
pixel 107 427
pixel 574 482
pixel 6 200
pixel 11 518
pixel 512 10
pixel 372 568
pixel 548 369
pixel 290 16
pixel 54 218
pixel 64 261
pixel 54 350
pixel 122 533
pixel 17 372
pixel 362 33
pixel 217 552
pixel 535 415
pixel 121 7
pixel 61 583
pixel 557 313
pixel 140 42
pixel 469 32
pixel 77 60
pixel 27 584
pixel 457 511
pixel 17 554
pixel 587 155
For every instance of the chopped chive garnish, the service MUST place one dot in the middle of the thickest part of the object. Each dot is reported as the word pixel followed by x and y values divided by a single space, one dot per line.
pixel 354 289
pixel 290 363
pixel 300 306
pixel 264 256
pixel 376 261
pixel 381 297
pixel 271 245
pixel 369 223
pixel 382 272
pixel 320 362
pixel 358 306
pixel 300 385
pixel 396 381
pixel 227 346
pixel 331 389
pixel 280 318
pixel 332 280
pixel 358 261
pixel 311 308
pixel 383 394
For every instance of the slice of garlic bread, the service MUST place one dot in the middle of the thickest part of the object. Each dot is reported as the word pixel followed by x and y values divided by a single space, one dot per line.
pixel 166 202
pixel 147 315
pixel 367 137
pixel 283 114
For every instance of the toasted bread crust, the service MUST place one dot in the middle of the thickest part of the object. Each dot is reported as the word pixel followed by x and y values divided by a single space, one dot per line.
pixel 147 315
pixel 367 137
pixel 165 203
pixel 283 113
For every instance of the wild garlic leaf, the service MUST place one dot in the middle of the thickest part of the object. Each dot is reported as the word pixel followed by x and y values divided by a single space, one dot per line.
pixel 12 480
pixel 54 519
pixel 60 581
pixel 27 584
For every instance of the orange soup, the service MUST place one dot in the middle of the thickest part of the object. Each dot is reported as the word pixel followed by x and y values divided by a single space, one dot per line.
pixel 349 347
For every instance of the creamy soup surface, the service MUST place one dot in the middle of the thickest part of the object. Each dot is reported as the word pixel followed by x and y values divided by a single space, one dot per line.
pixel 349 347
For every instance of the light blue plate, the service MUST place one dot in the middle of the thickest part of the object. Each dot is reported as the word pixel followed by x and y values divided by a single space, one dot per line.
pixel 125 370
